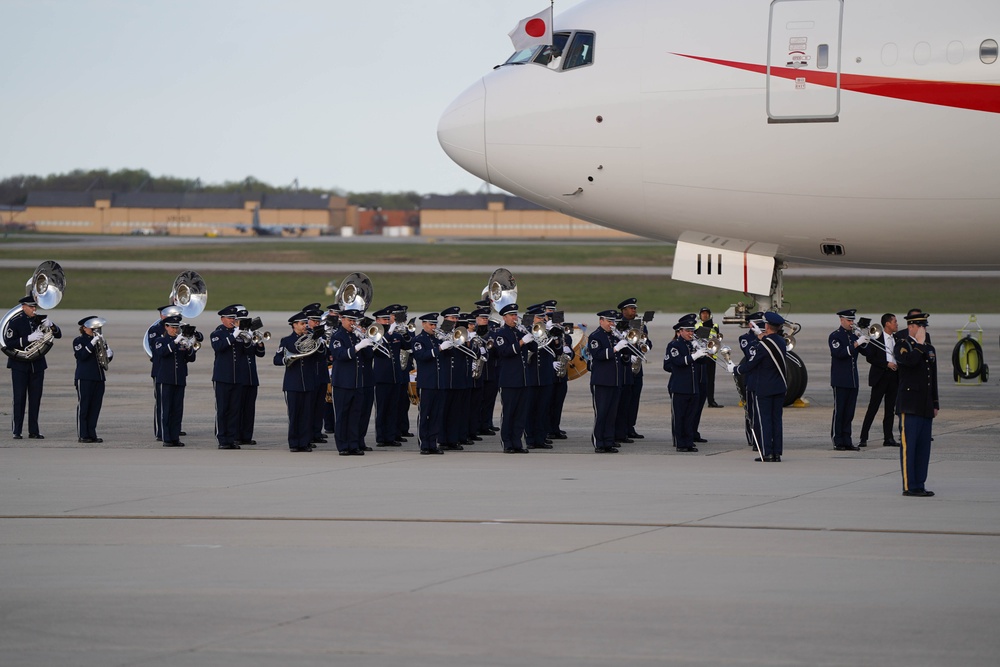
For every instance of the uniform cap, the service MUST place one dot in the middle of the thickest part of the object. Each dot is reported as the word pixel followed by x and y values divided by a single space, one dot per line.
pixel 230 311
pixel 451 311
pixel 550 304
pixel 631 301
pixel 429 317
pixel 83 322
pixel 28 301
pixel 536 309
pixel 385 312
pixel 848 314
pixel 172 321
pixel 350 314
pixel 610 315
pixel 686 322
pixel 298 317
pixel 774 319
pixel 917 318
pixel 509 309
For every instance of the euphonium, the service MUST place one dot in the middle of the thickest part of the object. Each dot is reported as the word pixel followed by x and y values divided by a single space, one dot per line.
pixel 100 344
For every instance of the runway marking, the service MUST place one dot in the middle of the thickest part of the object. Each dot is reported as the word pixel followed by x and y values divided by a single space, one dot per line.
pixel 509 522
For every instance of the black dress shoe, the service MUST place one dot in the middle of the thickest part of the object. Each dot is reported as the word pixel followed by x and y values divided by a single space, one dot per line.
pixel 344 453
pixel 863 443
pixel 98 439
pixel 36 436
pixel 768 459
pixel 636 436
pixel 557 436
pixel 173 443
pixel 247 442
pixel 17 436
pixel 484 431
pixel 230 445
pixel 475 438
pixel 182 433
pixel 922 493
pixel 515 451
pixel 401 439
pixel 381 444
pixel 394 443
pixel 408 434
pixel 299 449
pixel 431 451
pixel 687 449
pixel 547 441
pixel 357 452
pixel 846 448
pixel 890 443
pixel 606 450
pixel 776 459
pixel 627 441
pixel 700 439
pixel 494 429
pixel 713 404
pixel 542 446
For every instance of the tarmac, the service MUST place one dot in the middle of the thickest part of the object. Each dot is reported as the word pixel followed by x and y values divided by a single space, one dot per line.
pixel 128 553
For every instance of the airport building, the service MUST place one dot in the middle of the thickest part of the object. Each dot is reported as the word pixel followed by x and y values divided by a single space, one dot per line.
pixel 183 214
pixel 293 214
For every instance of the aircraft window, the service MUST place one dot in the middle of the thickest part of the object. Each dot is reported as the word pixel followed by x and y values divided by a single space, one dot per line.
pixel 581 51
pixel 988 51
pixel 522 56
pixel 551 56
pixel 822 56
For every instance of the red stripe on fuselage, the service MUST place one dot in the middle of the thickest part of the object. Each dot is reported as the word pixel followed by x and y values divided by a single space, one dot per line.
pixel 972 96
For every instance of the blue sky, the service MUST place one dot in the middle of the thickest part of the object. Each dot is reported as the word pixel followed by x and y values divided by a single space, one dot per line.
pixel 333 93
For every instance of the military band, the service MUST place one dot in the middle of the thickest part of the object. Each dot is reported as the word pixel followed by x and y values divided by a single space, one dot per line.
pixel 24 337
pixel 174 351
pixel 845 346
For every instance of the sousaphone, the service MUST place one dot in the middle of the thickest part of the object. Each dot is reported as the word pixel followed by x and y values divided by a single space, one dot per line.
pixel 46 286
pixel 189 294
pixel 355 292
pixel 501 290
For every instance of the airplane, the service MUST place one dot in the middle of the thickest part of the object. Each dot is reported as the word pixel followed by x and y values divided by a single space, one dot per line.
pixel 260 230
pixel 756 133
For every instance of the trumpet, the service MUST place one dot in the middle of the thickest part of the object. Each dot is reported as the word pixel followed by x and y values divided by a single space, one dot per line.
pixel 250 331
pixel 190 338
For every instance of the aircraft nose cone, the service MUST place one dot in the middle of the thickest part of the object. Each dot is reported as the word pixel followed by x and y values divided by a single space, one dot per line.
pixel 462 130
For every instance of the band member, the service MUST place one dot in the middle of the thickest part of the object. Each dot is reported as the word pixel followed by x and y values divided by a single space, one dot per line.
pixel 487 329
pixel 680 360
pixel 514 344
pixel 766 379
pixel 152 333
pixel 540 400
pixel 352 358
pixel 453 385
pixel 430 373
pixel 629 311
pixel 27 376
pixel 403 384
pixel 465 384
pixel 387 371
pixel 480 344
pixel 175 352
pixel 320 364
pixel 227 372
pixel 250 380
pixel 884 381
pixel 331 322
pixel 917 405
pixel 561 386
pixel 299 384
pixel 90 350
pixel 747 340
pixel 705 320
pixel 845 346
pixel 606 360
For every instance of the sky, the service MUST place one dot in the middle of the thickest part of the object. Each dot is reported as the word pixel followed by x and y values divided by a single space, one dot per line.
pixel 333 93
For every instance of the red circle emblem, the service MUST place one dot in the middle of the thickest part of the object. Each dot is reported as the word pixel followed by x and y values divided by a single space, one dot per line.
pixel 535 28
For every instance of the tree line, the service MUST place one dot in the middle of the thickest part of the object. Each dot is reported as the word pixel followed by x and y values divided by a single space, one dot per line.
pixel 14 189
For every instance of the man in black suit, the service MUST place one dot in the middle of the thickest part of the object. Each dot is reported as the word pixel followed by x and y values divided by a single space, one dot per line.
pixel 884 381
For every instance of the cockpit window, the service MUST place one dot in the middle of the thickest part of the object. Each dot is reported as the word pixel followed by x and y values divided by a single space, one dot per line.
pixel 581 51
pixel 551 56
pixel 568 51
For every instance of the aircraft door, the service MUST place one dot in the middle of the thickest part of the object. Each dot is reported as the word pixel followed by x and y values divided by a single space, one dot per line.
pixel 803 61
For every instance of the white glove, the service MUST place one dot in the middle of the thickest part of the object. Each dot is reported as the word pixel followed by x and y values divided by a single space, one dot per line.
pixel 556 365
pixel 98 336
pixel 755 329
pixel 236 332
pixel 621 345
pixel 111 354
pixel 527 338
pixel 35 335
pixel 392 327
pixel 698 354
pixel 178 339
pixel 473 335
pixel 48 321
pixel 567 349
pixel 483 351
pixel 549 324
pixel 731 367
pixel 446 345
pixel 863 340
pixel 365 342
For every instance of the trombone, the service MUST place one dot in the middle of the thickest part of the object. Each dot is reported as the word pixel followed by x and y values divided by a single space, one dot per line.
pixel 376 333
pixel 874 333
pixel 459 336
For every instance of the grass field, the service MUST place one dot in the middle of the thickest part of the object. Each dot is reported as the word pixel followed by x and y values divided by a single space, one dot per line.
pixel 289 290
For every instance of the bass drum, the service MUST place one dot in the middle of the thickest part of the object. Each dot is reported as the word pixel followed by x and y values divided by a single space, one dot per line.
pixel 578 365
pixel 798 378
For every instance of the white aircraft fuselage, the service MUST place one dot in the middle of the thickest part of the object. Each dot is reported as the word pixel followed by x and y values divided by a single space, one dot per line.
pixel 862 133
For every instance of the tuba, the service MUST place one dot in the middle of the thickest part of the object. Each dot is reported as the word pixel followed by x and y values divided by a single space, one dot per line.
pixel 501 290
pixel 355 292
pixel 190 295
pixel 46 285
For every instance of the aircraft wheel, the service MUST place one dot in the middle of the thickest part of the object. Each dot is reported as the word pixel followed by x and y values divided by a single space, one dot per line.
pixel 798 378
